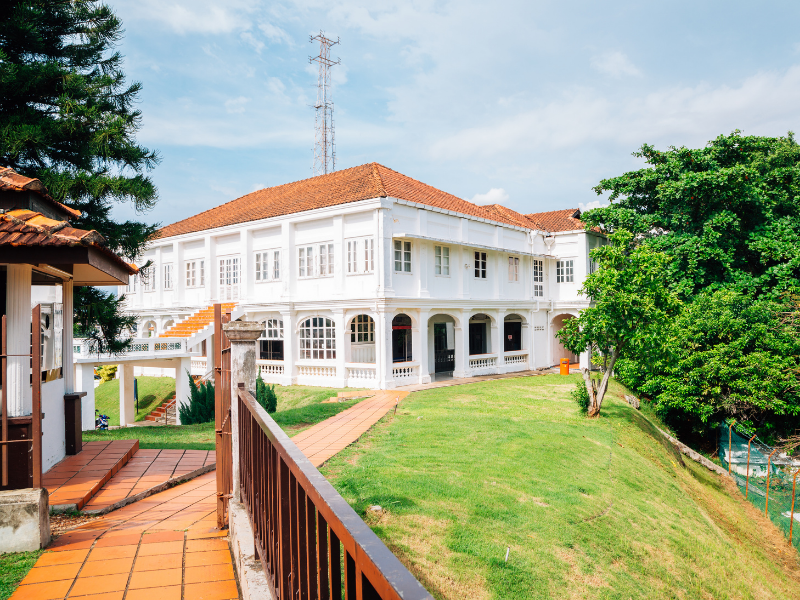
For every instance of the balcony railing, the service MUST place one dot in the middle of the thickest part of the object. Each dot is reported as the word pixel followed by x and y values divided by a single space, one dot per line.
pixel 405 373
pixel 361 374
pixel 516 357
pixel 482 362
pixel 310 542
pixel 156 347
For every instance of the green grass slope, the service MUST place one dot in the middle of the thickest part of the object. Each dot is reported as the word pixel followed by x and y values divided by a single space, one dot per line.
pixel 597 508
pixel 152 392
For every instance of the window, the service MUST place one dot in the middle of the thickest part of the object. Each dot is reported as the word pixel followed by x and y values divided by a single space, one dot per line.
pixel 305 261
pixel 480 265
pixel 271 341
pixel 369 255
pixel 273 329
pixel 149 279
pixel 317 339
pixel 538 271
pixel 538 290
pixel 362 329
pixel 229 271
pixel 131 287
pixel 592 266
pixel 195 273
pixel 325 259
pixel 352 256
pixel 402 256
pixel 441 260
pixel 513 268
pixel 168 277
pixel 565 271
pixel 268 265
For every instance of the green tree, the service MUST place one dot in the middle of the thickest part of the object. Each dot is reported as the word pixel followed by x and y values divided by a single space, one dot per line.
pixel 631 307
pixel 201 405
pixel 68 118
pixel 265 395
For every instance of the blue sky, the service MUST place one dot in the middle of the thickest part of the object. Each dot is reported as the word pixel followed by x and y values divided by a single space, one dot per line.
pixel 525 103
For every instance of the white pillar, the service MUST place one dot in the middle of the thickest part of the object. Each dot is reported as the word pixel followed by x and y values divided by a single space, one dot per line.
pixel 462 345
pixel 339 333
pixel 18 336
pixel 424 348
pixel 127 405
pixel 84 381
pixel 383 348
pixel 66 343
pixel 181 385
pixel 498 338
pixel 289 347
pixel 243 336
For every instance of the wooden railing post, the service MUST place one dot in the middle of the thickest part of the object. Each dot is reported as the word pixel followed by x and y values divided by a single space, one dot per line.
pixel 242 336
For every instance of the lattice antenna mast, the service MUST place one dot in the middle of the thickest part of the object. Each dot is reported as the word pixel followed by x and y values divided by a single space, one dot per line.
pixel 324 144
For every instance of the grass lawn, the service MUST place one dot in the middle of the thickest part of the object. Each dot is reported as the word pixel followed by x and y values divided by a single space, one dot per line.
pixel 152 392
pixel 299 407
pixel 598 508
pixel 13 568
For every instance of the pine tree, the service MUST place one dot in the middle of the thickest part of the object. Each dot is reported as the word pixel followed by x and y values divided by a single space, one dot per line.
pixel 67 118
pixel 201 407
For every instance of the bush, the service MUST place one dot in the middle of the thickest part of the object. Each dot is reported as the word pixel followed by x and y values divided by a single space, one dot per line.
pixel 201 403
pixel 265 395
pixel 581 396
pixel 107 372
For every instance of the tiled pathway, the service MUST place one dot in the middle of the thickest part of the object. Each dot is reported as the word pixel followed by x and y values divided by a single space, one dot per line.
pixel 77 478
pixel 165 547
pixel 147 469
pixel 333 435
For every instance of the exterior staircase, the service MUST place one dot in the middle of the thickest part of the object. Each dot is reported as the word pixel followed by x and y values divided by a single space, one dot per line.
pixel 164 413
pixel 195 322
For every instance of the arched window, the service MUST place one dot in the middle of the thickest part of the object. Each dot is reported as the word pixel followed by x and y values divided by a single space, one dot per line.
pixel 401 339
pixel 271 341
pixel 362 329
pixel 149 329
pixel 317 338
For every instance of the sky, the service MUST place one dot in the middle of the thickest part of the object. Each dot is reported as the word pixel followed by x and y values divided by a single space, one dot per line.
pixel 529 104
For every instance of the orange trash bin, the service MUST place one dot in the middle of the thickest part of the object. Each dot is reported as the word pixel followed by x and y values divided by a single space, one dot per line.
pixel 565 366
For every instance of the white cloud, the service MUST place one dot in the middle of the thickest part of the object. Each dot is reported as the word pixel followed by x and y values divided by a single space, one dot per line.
pixel 615 64
pixel 191 16
pixel 493 196
pixel 591 205
pixel 236 105
pixel 275 34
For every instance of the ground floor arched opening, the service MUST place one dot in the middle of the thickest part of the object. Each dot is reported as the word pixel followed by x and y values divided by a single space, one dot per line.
pixel 362 339
pixel 559 351
pixel 402 339
pixel 480 334
pixel 512 333
pixel 442 344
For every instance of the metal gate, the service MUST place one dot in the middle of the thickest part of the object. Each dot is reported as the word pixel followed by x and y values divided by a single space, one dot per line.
pixel 222 414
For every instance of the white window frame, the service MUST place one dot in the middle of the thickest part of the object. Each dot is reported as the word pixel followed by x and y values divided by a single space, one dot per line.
pixel 167 269
pixel 538 271
pixel 195 273
pixel 362 330
pixel 352 257
pixel 513 269
pixel 481 261
pixel 317 339
pixel 305 262
pixel 441 261
pixel 565 271
pixel 267 264
pixel 273 330
pixel 149 279
pixel 538 290
pixel 402 256
pixel 325 259
pixel 369 255
pixel 276 265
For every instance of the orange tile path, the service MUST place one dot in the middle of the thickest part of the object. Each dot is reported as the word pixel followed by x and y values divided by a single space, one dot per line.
pixel 77 478
pixel 147 469
pixel 333 435
pixel 165 547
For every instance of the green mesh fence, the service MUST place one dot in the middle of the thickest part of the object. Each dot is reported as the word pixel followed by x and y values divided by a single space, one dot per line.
pixel 766 482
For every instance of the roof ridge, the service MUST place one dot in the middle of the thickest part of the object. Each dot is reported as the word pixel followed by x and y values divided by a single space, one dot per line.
pixel 377 172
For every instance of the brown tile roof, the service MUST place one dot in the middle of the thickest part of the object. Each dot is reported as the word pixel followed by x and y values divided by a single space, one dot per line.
pixel 21 227
pixel 567 219
pixel 342 187
pixel 10 180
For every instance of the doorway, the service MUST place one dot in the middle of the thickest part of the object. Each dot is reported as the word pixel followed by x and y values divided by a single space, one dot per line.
pixel 444 358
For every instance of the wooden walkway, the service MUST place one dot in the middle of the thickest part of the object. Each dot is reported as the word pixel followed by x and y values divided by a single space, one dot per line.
pixel 333 435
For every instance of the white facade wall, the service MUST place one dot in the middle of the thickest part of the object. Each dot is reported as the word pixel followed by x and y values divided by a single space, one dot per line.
pixel 453 295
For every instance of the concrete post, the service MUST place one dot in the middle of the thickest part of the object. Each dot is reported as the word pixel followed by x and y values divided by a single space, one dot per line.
pixel 181 385
pixel 243 336
pixel 66 344
pixel 424 348
pixel 18 339
pixel 462 345
pixel 84 382
pixel 127 406
pixel 289 344
pixel 499 339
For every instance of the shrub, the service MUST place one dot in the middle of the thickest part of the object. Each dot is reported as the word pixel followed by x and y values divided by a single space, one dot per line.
pixel 107 372
pixel 581 396
pixel 201 403
pixel 265 395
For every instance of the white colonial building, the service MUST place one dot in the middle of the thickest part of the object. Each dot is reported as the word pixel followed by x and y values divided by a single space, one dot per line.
pixel 368 278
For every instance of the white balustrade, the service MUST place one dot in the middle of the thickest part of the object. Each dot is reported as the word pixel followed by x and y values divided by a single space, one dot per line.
pixel 361 373
pixel 316 371
pixel 362 353
pixel 82 347
pixel 199 365
pixel 270 367
pixel 483 362
pixel 516 359
pixel 404 374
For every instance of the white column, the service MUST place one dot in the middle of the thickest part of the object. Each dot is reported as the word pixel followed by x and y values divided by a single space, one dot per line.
pixel 288 272
pixel 127 405
pixel 181 385
pixel 386 252
pixel 424 349
pixel 247 276
pixel 158 267
pixel 464 257
pixel 339 334
pixel 84 381
pixel 289 347
pixel 18 336
pixel 211 355
pixel 178 276
pixel 383 340
pixel 340 254
pixel 462 345
pixel 210 267
pixel 498 338
pixel 67 358
pixel 529 339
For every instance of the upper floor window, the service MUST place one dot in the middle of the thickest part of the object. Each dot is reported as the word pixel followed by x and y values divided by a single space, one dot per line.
pixel 441 260
pixel 362 329
pixel 565 272
pixel 305 261
pixel 352 256
pixel 317 339
pixel 538 290
pixel 149 279
pixel 538 271
pixel 592 266
pixel 513 268
pixel 168 276
pixel 361 256
pixel 195 273
pixel 273 329
pixel 229 271
pixel 480 265
pixel 325 259
pixel 402 256
pixel 369 255
pixel 268 265
pixel 131 287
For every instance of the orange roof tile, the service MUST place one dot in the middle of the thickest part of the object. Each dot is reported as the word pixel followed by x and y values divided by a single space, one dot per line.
pixel 341 187
pixel 567 219
pixel 10 180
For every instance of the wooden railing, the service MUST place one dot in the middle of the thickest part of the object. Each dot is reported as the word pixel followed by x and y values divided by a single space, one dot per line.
pixel 311 544
pixel 222 415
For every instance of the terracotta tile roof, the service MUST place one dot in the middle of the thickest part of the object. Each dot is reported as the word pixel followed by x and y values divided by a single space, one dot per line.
pixel 342 187
pixel 512 215
pixel 10 180
pixel 22 227
pixel 567 219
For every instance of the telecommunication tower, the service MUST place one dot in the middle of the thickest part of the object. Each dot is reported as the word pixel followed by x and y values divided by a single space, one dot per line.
pixel 324 145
